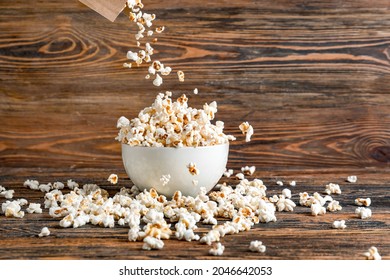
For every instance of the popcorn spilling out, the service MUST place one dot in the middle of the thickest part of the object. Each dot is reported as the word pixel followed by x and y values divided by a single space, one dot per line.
pixel 372 254
pixel 247 130
pixel 44 232
pixel 173 124
pixel 339 224
pixel 257 246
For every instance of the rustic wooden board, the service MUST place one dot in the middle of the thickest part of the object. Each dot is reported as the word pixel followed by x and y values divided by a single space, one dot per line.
pixel 313 78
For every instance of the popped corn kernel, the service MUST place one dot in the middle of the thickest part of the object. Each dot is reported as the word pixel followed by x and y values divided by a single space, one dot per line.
pixel 72 184
pixel 257 246
pixel 317 209
pixel 180 75
pixel 152 243
pixel 34 208
pixel 248 170
pixel 192 169
pixel 196 91
pixel 247 130
pixel 113 179
pixel 157 81
pixel 12 209
pixel 217 249
pixel 363 201
pixel 372 254
pixel 332 188
pixel 32 184
pixel 279 183
pixel 293 183
pixel 160 29
pixel 334 205
pixel 44 232
pixel 339 224
pixel 8 194
pixel 286 192
pixel 363 213
pixel 352 179
pixel 240 176
pixel 228 173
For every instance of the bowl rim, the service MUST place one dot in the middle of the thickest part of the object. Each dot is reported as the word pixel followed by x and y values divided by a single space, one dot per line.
pixel 176 148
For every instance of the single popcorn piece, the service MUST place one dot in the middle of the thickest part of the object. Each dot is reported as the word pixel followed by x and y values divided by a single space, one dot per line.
pixel 228 173
pixel 8 194
pixel 317 209
pixel 257 246
pixel 293 183
pixel 34 208
pixel 113 179
pixel 247 130
pixel 192 169
pixel 363 213
pixel 196 91
pixel 44 232
pixel 165 179
pixel 72 184
pixel 372 254
pixel 157 81
pixel 248 170
pixel 240 176
pixel 352 179
pixel 334 206
pixel 123 122
pixel 180 75
pixel 160 29
pixel 332 189
pixel 12 209
pixel 339 224
pixel 32 184
pixel 217 249
pixel 363 201
pixel 279 183
pixel 286 192
pixel 152 243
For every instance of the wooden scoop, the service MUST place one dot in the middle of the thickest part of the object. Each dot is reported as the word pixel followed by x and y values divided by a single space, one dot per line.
pixel 110 9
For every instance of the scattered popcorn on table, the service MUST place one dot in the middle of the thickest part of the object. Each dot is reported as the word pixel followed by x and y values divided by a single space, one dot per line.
pixel 334 206
pixel 217 249
pixel 12 209
pixel 8 194
pixel 279 183
pixel 257 246
pixel 192 169
pixel 44 232
pixel 113 179
pixel 72 184
pixel 32 184
pixel 363 213
pixel 248 170
pixel 363 201
pixel 352 179
pixel 240 176
pixel 196 91
pixel 339 224
pixel 317 209
pixel 152 243
pixel 332 189
pixel 247 130
pixel 228 173
pixel 293 183
pixel 286 192
pixel 34 208
pixel 372 254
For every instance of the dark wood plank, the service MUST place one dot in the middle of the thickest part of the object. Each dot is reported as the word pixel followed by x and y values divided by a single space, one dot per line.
pixel 312 78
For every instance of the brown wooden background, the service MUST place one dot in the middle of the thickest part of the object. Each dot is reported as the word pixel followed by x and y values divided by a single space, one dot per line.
pixel 313 77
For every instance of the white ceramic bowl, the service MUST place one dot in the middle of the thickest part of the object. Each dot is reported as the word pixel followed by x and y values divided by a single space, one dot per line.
pixel 146 165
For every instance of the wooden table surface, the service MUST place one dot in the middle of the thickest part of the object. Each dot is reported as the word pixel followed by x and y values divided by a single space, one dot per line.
pixel 312 77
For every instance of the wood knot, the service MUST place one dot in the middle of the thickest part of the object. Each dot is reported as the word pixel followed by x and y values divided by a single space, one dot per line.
pixel 381 153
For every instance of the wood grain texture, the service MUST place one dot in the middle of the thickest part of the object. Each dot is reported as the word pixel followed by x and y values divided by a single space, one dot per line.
pixel 312 77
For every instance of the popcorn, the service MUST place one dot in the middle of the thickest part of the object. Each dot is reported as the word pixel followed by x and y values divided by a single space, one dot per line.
pixel 257 246
pixel 160 29
pixel 293 183
pixel 32 184
pixel 45 187
pixel 44 232
pixel 363 201
pixel 34 208
pixel 352 179
pixel 217 249
pixel 123 122
pixel 372 254
pixel 165 179
pixel 72 184
pixel 152 243
pixel 248 170
pixel 285 204
pixel 317 209
pixel 363 213
pixel 113 179
pixel 173 124
pixel 180 75
pixel 279 183
pixel 157 81
pixel 339 224
pixel 212 236
pixel 240 176
pixel 286 192
pixel 228 173
pixel 334 205
pixel 332 188
pixel 8 194
pixel 196 91
pixel 12 209
pixel 192 169
pixel 58 185
pixel 247 130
